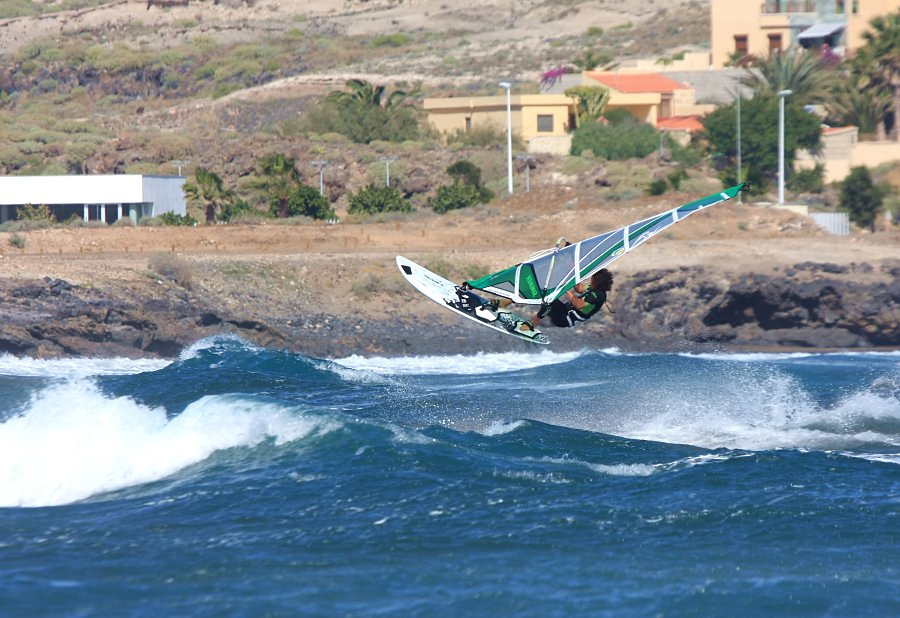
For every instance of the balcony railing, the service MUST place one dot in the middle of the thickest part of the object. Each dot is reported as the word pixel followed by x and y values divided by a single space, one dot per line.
pixel 789 6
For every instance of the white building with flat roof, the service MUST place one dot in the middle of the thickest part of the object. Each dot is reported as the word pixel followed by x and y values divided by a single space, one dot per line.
pixel 106 198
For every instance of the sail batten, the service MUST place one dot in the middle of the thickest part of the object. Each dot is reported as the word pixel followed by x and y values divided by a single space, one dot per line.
pixel 549 274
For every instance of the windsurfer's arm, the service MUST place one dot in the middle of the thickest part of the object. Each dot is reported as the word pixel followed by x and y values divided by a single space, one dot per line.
pixel 575 295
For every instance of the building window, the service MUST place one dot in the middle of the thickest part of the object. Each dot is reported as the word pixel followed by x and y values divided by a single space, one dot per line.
pixel 774 43
pixel 855 7
pixel 468 124
pixel 740 45
pixel 839 7
pixel 545 123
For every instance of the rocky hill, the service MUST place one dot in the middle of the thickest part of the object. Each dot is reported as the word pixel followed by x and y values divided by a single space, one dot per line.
pixel 131 85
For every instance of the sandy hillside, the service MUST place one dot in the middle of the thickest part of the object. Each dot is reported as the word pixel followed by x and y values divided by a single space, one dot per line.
pixel 489 22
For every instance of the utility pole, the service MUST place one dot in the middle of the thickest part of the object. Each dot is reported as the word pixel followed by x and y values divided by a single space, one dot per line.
pixel 321 165
pixel 387 169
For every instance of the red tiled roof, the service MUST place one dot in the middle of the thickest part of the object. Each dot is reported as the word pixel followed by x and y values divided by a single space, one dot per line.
pixel 636 82
pixel 680 123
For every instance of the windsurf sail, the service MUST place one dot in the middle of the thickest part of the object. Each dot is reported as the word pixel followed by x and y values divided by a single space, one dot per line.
pixel 548 274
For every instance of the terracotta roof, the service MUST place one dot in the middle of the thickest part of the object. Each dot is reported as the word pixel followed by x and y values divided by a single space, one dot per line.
pixel 833 130
pixel 636 82
pixel 680 123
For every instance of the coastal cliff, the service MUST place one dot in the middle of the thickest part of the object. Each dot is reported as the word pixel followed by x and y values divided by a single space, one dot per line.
pixel 810 306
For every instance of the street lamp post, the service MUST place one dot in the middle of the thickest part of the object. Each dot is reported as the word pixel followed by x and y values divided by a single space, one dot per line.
pixel 509 166
pixel 739 162
pixel 321 165
pixel 387 169
pixel 782 94
pixel 179 163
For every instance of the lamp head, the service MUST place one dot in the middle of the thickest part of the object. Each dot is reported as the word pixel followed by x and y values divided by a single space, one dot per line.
pixel 506 85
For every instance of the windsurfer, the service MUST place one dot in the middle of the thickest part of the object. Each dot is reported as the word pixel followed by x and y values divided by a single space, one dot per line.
pixel 579 303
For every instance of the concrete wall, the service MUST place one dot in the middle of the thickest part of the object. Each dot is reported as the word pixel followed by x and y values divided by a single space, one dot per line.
pixel 556 145
pixel 842 151
pixel 165 194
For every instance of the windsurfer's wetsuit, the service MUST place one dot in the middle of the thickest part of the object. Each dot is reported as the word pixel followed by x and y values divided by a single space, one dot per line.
pixel 564 314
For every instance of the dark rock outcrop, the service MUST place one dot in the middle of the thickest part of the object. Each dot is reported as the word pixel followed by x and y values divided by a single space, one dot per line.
pixel 52 318
pixel 825 308
pixel 808 306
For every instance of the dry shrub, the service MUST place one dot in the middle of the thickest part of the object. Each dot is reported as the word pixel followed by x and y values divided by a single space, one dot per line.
pixel 173 267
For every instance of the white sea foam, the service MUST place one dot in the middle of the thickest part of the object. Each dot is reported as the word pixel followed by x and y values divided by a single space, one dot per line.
pixel 482 363
pixel 759 357
pixel 75 368
pixel 778 356
pixel 624 469
pixel 498 428
pixel 761 413
pixel 73 441
pixel 892 458
pixel 228 341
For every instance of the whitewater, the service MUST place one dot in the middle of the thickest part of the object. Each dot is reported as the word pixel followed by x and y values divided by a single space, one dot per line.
pixel 242 481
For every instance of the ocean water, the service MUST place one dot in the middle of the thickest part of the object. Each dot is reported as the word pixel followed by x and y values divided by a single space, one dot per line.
pixel 237 481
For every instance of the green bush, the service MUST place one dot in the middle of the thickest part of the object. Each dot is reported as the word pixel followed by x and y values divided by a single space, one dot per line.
pixel 468 173
pixel 35 213
pixel 676 177
pixel 626 139
pixel 17 8
pixel 363 123
pixel 171 218
pixel 374 199
pixel 304 201
pixel 453 197
pixel 808 180
pixel 236 209
pixel 861 198
pixel 657 187
pixel 391 40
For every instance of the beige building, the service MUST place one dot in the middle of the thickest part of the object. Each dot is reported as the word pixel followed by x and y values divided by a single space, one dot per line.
pixel 648 95
pixel 541 120
pixel 545 121
pixel 757 27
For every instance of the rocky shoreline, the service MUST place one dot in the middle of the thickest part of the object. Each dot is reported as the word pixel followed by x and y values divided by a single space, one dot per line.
pixel 809 306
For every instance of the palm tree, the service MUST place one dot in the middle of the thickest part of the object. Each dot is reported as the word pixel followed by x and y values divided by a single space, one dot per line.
pixel 368 94
pixel 861 108
pixel 592 102
pixel 590 60
pixel 878 62
pixel 806 74
pixel 280 179
pixel 209 191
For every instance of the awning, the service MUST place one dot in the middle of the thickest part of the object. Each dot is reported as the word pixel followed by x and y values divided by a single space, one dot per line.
pixel 821 30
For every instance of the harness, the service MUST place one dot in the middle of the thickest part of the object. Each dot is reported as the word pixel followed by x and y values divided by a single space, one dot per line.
pixel 591 297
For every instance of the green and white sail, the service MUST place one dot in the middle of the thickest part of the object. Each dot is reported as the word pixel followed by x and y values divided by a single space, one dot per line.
pixel 549 274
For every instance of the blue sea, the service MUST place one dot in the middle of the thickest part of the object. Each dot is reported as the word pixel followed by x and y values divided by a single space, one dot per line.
pixel 237 481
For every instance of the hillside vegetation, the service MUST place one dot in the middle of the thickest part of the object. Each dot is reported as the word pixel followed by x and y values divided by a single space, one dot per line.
pixel 113 87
